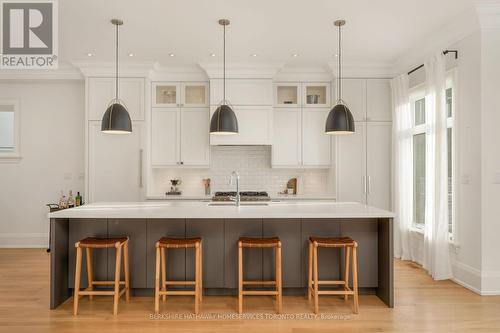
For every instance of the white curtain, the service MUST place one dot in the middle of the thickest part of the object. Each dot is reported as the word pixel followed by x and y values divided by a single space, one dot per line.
pixel 436 252
pixel 402 166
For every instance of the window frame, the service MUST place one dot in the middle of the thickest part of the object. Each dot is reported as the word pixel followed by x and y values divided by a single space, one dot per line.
pixel 451 122
pixel 15 153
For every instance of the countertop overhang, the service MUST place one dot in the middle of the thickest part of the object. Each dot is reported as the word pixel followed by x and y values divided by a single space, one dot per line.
pixel 202 210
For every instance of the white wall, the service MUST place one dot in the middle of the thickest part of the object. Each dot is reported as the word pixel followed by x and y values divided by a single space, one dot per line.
pixel 52 117
pixel 254 165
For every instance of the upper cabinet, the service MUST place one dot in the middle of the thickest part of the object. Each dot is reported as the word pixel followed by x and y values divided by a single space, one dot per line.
pixel 242 91
pixel 287 94
pixel 307 94
pixel 368 99
pixel 101 90
pixel 315 143
pixel 316 94
pixel 180 94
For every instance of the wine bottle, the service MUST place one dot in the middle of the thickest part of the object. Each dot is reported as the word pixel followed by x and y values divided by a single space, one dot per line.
pixel 78 199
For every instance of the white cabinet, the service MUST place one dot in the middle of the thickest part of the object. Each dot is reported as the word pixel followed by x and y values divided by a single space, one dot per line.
pixel 378 100
pixel 242 91
pixel 364 165
pixel 368 99
pixel 354 95
pixel 115 164
pixel 316 94
pixel 287 137
pixel 315 143
pixel 287 94
pixel 180 94
pixel 180 137
pixel 101 90
pixel 165 136
pixel 351 165
pixel 254 126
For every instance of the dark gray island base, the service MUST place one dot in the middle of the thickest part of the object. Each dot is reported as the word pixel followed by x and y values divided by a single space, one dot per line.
pixel 220 236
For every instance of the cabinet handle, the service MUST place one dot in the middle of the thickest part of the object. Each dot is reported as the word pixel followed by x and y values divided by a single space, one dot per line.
pixel 364 184
pixel 140 167
pixel 182 163
pixel 369 185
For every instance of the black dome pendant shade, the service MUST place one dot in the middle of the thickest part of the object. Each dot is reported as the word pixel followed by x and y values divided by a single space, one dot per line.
pixel 224 121
pixel 116 119
pixel 340 120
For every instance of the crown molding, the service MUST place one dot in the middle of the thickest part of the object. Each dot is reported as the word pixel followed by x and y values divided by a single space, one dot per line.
pixel 177 73
pixel 65 71
pixel 363 69
pixel 291 73
pixel 488 12
pixel 254 70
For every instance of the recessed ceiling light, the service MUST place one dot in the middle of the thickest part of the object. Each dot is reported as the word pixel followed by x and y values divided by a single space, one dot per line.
pixel 212 54
pixel 130 54
pixel 90 54
pixel 336 55
pixel 171 55
pixel 295 55
pixel 254 55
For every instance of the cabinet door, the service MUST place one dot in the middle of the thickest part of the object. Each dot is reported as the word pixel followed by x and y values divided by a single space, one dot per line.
pixel 100 92
pixel 166 94
pixel 287 142
pixel 131 92
pixel 115 164
pixel 378 97
pixel 195 136
pixel 194 94
pixel 165 135
pixel 315 143
pixel 254 125
pixel 316 94
pixel 287 94
pixel 379 151
pixel 351 165
pixel 354 95
pixel 242 91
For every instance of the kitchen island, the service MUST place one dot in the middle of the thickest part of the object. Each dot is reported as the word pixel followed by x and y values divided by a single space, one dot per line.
pixel 220 225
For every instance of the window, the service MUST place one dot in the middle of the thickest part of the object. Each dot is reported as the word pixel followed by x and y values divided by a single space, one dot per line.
pixel 9 129
pixel 450 106
pixel 419 148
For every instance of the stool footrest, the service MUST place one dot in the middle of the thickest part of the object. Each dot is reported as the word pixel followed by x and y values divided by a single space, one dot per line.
pixel 178 292
pixel 87 292
pixel 180 283
pixel 331 282
pixel 260 292
pixel 106 283
pixel 259 282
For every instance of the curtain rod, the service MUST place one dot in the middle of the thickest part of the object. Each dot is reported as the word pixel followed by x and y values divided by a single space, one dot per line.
pixel 445 52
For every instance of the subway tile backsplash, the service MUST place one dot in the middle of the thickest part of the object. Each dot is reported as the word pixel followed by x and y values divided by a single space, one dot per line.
pixel 254 166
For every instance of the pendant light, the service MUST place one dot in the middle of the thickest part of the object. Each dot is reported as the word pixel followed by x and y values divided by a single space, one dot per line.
pixel 340 120
pixel 116 119
pixel 224 120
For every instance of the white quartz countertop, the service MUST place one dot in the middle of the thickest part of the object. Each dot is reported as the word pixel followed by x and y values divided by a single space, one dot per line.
pixel 200 209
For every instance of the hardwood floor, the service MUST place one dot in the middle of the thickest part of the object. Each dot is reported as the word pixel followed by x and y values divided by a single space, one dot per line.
pixel 422 305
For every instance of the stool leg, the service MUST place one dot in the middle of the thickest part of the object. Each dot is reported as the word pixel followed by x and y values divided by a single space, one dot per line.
pixel 117 278
pixel 278 278
pixel 310 273
pixel 90 273
pixel 316 284
pixel 240 278
pixel 126 268
pixel 157 280
pixel 201 271
pixel 346 270
pixel 163 255
pixel 355 279
pixel 77 279
pixel 197 280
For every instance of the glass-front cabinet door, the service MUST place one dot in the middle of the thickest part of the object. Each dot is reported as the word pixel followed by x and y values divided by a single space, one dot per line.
pixel 166 94
pixel 316 94
pixel 287 94
pixel 194 94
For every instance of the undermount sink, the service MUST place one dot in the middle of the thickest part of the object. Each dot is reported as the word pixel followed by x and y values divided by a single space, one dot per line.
pixel 233 204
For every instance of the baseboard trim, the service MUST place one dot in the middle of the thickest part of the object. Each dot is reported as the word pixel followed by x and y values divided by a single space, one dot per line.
pixel 23 240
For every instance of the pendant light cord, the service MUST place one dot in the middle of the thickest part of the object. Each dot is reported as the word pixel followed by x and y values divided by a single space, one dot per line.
pixel 116 55
pixel 224 67
pixel 340 63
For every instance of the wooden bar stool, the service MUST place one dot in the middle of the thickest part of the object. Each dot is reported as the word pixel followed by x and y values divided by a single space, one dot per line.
pixel 178 243
pixel 313 283
pixel 274 243
pixel 89 243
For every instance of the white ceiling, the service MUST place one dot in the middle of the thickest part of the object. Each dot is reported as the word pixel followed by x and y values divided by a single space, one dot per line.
pixel 377 31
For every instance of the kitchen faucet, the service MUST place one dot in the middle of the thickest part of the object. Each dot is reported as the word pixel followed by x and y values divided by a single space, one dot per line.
pixel 236 175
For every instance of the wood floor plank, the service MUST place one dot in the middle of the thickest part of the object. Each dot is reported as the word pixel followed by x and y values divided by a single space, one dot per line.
pixel 422 305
